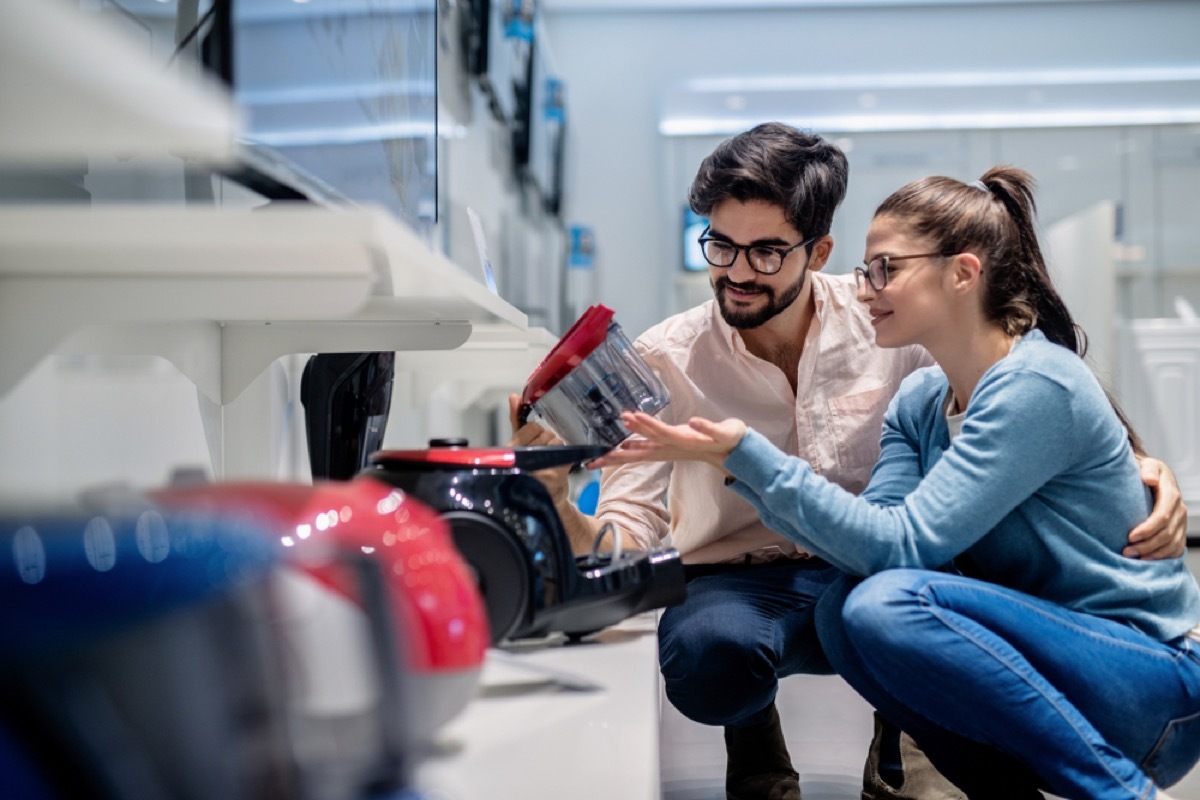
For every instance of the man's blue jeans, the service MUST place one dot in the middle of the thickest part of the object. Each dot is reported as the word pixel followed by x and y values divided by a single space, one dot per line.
pixel 1007 693
pixel 741 629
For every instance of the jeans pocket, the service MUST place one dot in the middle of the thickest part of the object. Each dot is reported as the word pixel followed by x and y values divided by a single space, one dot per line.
pixel 1176 751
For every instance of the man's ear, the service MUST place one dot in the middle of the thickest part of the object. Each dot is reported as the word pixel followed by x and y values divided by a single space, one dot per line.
pixel 965 272
pixel 821 250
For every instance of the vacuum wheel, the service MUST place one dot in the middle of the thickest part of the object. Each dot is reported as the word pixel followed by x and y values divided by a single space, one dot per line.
pixel 501 568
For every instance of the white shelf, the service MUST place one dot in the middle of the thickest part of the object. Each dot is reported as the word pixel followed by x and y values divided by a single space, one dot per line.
pixel 530 734
pixel 419 284
pixel 495 359
pixel 71 86
pixel 223 293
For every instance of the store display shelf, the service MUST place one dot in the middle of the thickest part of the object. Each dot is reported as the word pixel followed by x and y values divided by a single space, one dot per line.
pixel 71 85
pixel 223 293
pixel 496 359
pixel 557 720
pixel 421 284
pixel 223 359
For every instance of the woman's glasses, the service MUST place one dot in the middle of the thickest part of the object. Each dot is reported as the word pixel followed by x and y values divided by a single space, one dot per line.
pixel 876 271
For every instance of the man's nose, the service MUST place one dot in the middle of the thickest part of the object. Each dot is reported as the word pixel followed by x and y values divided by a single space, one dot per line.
pixel 741 266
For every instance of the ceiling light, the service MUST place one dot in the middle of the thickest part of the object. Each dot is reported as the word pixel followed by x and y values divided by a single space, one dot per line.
pixel 863 123
pixel 916 80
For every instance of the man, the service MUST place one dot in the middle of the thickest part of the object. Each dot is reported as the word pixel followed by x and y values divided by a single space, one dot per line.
pixel 790 351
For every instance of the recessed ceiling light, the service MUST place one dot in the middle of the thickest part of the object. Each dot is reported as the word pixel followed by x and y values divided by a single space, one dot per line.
pixel 861 123
pixel 917 80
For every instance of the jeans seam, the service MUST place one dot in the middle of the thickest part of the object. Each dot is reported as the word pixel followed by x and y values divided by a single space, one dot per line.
pixel 983 646
pixel 1108 641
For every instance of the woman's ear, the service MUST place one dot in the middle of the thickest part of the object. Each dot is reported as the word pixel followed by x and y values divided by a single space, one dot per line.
pixel 966 272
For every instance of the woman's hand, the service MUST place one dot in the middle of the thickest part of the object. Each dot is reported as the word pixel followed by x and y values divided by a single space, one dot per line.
pixel 699 440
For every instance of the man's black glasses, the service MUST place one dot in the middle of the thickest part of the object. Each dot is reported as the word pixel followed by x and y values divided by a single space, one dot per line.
pixel 763 259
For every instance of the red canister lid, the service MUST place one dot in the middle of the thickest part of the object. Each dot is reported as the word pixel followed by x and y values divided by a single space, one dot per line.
pixel 576 344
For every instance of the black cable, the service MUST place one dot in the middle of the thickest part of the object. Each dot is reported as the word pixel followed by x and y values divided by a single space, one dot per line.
pixel 186 40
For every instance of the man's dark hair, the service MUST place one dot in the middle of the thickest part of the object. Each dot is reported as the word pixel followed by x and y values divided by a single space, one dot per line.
pixel 796 170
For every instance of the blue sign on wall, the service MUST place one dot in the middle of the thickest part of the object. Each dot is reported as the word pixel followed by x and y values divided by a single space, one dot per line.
pixel 583 247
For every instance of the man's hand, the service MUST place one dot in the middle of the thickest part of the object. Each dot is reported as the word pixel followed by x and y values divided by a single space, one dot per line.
pixel 531 434
pixel 581 529
pixel 1164 533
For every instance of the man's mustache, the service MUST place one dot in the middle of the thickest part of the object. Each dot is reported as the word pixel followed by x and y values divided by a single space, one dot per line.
pixel 741 287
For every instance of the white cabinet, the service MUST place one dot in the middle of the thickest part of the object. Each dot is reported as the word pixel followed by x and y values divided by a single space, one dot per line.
pixel 1159 389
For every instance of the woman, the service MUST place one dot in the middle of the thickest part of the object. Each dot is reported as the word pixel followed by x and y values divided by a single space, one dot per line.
pixel 1000 625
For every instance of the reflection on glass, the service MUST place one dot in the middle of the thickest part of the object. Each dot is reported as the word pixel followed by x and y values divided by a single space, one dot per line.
pixel 694 227
pixel 153 541
pixel 99 544
pixel 29 555
pixel 345 90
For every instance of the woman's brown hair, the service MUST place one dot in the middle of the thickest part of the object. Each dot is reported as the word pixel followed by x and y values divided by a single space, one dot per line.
pixel 995 219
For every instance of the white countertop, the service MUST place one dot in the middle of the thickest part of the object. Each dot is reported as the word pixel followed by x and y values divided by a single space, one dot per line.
pixel 554 720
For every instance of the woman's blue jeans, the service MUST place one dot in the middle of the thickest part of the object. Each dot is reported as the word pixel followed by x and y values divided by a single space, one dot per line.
pixel 1007 693
pixel 724 649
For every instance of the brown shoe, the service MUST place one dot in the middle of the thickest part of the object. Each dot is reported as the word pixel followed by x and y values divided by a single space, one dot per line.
pixel 758 766
pixel 921 780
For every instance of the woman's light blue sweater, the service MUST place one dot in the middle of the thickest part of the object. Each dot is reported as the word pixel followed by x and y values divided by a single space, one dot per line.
pixel 1038 493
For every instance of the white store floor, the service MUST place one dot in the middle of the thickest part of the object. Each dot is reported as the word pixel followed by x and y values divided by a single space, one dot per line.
pixel 828 728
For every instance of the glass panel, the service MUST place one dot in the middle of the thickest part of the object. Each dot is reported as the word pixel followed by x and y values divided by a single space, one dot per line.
pixel 346 91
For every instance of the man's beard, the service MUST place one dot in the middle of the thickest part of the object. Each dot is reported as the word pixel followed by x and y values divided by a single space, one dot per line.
pixel 752 318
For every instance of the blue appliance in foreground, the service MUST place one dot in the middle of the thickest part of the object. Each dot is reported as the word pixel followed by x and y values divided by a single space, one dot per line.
pixel 141 659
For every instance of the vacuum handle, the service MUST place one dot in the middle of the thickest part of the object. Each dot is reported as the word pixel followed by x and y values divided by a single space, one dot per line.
pixel 535 458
